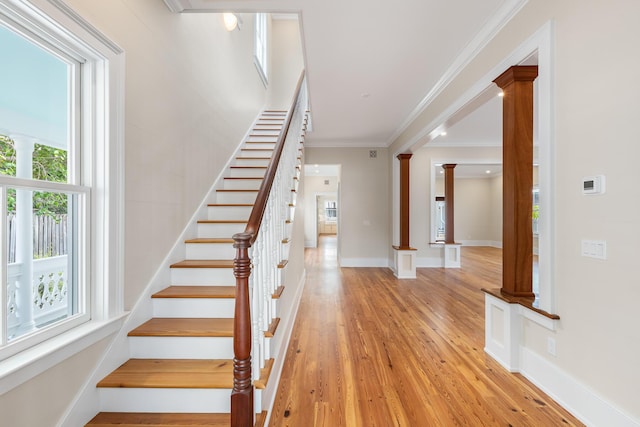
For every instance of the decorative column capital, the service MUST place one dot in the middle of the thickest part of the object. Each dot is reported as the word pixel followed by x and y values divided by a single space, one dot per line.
pixel 517 73
pixel 404 156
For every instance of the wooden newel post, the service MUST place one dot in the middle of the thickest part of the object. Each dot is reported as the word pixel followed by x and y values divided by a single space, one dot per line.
pixel 242 410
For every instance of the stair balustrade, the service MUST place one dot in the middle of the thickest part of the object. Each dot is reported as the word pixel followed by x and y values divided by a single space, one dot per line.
pixel 259 254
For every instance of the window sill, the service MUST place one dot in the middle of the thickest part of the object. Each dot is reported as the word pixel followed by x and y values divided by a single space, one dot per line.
pixel 27 364
pixel 529 308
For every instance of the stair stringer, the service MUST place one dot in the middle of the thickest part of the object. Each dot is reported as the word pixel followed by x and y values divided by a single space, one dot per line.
pixel 87 402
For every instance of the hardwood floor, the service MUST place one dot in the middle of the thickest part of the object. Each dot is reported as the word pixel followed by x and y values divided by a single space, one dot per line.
pixel 370 350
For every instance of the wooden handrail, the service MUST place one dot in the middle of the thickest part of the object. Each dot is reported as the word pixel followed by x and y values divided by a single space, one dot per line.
pixel 255 219
pixel 242 410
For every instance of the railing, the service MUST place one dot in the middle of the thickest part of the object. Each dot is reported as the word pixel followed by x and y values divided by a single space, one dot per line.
pixel 50 293
pixel 263 236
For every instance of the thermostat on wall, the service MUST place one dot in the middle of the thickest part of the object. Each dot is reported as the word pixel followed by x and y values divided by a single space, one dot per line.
pixel 593 184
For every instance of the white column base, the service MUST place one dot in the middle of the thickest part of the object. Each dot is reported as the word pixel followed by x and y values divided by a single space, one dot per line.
pixel 502 332
pixel 452 255
pixel 405 263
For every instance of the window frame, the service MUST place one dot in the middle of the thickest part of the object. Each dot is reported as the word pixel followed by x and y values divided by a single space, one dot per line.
pixel 101 100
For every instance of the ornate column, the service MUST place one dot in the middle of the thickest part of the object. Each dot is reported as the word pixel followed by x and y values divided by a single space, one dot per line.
pixel 24 234
pixel 451 248
pixel 517 152
pixel 448 202
pixel 405 255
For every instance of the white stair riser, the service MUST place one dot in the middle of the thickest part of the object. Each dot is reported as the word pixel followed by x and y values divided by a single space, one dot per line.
pixel 194 307
pixel 257 133
pixel 252 162
pixel 220 230
pixel 181 347
pixel 242 184
pixel 164 400
pixel 256 153
pixel 247 172
pixel 203 276
pixel 267 125
pixel 223 197
pixel 263 142
pixel 210 251
pixel 229 212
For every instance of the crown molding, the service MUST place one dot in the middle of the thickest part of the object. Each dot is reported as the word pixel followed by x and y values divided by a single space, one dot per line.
pixel 175 6
pixel 488 32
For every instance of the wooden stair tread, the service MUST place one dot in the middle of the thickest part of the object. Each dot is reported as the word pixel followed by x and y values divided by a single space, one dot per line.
pixel 248 167
pixel 171 373
pixel 230 204
pixel 224 190
pixel 265 373
pixel 278 293
pixel 273 326
pixel 208 240
pixel 155 419
pixel 222 221
pixel 244 177
pixel 184 327
pixel 204 263
pixel 253 158
pixel 197 292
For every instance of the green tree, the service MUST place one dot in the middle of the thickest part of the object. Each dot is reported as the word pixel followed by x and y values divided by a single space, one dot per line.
pixel 49 164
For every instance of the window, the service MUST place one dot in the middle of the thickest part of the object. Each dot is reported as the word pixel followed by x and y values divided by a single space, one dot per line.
pixel 330 211
pixel 60 185
pixel 260 54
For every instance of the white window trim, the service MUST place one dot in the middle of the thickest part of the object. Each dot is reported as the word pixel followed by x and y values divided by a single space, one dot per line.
pixel 106 130
pixel 261 40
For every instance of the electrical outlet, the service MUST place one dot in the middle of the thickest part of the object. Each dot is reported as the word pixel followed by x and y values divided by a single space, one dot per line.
pixel 551 346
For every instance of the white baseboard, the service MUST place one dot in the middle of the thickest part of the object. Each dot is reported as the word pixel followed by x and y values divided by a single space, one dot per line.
pixel 583 402
pixel 310 244
pixel 429 262
pixel 364 262
pixel 492 243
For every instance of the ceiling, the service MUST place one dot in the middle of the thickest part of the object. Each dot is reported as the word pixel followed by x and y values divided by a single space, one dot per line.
pixel 373 65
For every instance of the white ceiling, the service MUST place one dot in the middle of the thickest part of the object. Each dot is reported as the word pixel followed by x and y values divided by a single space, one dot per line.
pixel 372 65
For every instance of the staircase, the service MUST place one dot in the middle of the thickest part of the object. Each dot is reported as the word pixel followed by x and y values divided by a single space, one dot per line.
pixel 181 369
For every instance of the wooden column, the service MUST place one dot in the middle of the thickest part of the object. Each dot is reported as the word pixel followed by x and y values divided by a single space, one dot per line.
pixel 242 394
pixel 448 202
pixel 404 200
pixel 517 166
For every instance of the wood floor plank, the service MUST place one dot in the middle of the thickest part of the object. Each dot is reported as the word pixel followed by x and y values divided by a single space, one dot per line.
pixel 368 349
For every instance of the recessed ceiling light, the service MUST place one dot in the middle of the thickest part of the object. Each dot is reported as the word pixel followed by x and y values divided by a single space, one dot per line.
pixel 488 171
pixel 443 133
pixel 501 94
pixel 315 166
pixel 441 171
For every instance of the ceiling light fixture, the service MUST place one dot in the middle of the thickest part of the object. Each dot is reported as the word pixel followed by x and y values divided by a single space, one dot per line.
pixel 231 21
pixel 501 94
pixel 443 133
pixel 488 171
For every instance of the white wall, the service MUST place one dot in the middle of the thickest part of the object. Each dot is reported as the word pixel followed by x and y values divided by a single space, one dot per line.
pixel 595 97
pixel 286 62
pixel 364 238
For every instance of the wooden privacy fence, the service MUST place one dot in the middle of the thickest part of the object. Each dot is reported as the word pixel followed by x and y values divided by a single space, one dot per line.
pixel 49 236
